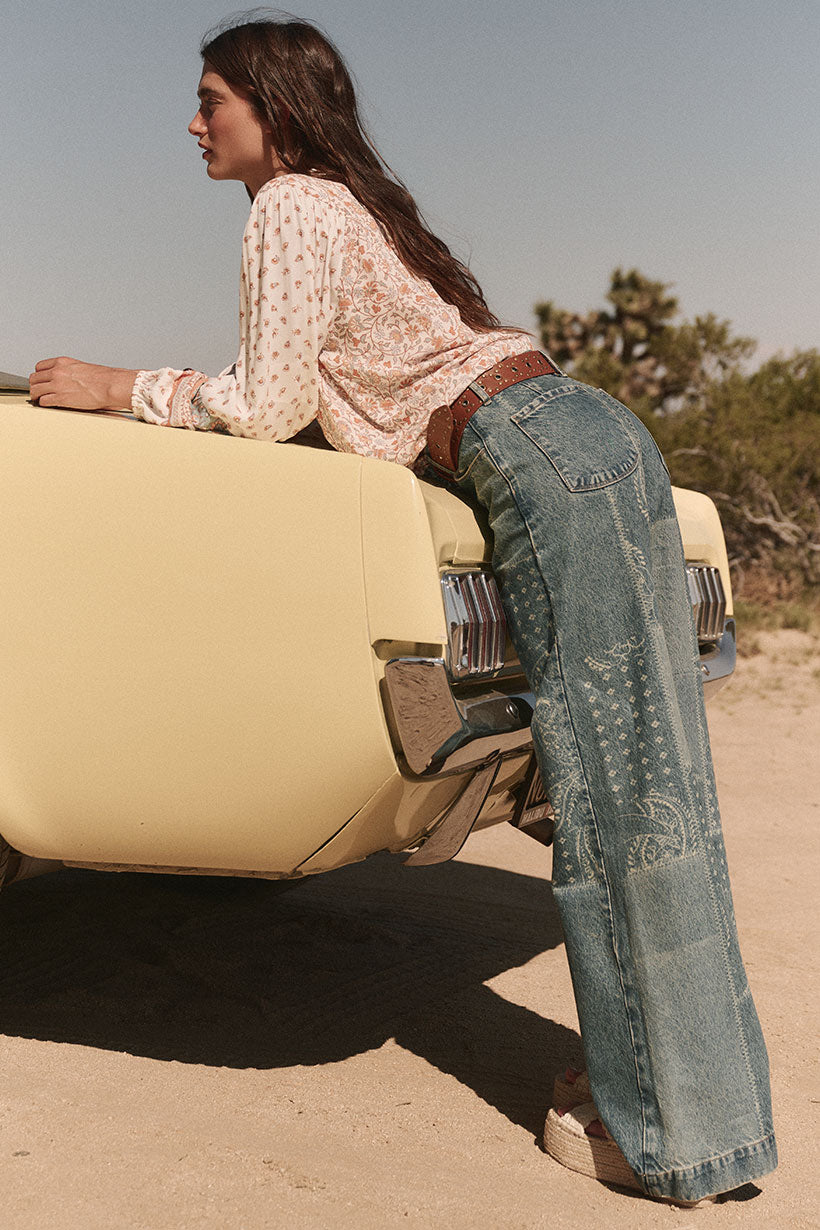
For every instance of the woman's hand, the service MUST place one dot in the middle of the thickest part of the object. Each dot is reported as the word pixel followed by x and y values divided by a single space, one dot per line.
pixel 81 386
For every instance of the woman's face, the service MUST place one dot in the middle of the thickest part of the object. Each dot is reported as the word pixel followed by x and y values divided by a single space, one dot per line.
pixel 235 142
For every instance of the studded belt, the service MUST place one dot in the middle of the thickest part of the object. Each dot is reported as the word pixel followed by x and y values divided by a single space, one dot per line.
pixel 446 426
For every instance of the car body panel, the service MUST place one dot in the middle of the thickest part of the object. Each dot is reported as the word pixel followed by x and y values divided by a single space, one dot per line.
pixel 460 536
pixel 400 562
pixel 702 534
pixel 155 682
pixel 194 631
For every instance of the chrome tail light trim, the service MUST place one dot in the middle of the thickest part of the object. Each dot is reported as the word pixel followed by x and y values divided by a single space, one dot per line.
pixel 708 600
pixel 476 625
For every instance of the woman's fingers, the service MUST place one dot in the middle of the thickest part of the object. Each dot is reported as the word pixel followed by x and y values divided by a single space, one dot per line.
pixel 45 378
pixel 68 382
pixel 81 386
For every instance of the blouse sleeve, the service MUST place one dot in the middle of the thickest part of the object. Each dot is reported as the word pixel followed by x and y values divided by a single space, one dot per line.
pixel 290 254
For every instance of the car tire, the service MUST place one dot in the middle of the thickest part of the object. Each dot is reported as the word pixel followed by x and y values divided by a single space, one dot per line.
pixel 5 855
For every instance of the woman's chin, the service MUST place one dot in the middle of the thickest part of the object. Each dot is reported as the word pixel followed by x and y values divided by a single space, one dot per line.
pixel 215 171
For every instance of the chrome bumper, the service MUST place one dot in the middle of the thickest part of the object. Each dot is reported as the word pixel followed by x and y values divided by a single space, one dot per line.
pixel 718 662
pixel 441 732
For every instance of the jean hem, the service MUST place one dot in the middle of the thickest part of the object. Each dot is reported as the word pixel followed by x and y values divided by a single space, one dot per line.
pixel 714 1175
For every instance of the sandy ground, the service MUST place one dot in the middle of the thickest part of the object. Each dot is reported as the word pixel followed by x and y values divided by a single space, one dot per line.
pixel 375 1048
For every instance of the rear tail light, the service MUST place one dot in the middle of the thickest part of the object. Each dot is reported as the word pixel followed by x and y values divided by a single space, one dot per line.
pixel 476 627
pixel 708 600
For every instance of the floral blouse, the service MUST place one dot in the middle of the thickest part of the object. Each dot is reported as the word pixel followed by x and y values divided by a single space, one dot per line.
pixel 332 327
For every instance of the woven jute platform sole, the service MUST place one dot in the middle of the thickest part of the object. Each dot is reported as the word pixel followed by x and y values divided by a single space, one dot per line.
pixel 596 1156
pixel 591 1155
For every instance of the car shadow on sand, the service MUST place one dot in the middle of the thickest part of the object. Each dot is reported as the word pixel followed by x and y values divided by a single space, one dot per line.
pixel 237 973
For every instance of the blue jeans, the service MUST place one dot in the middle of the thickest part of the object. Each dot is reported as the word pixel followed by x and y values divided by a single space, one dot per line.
pixel 588 556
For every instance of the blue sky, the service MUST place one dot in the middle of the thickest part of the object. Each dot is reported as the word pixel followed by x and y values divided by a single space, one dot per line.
pixel 547 142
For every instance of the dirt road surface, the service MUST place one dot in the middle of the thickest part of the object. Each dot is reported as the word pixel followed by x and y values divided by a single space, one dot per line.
pixel 375 1048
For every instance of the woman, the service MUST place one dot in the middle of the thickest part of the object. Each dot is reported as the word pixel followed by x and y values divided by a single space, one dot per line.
pixel 355 317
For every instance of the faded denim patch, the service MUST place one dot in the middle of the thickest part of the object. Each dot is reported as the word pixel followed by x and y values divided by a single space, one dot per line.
pixel 691 1013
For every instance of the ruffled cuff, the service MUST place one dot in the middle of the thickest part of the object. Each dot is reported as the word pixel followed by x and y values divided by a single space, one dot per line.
pixel 142 399
pixel 169 399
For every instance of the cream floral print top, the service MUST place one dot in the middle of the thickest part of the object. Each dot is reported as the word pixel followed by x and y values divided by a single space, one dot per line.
pixel 332 327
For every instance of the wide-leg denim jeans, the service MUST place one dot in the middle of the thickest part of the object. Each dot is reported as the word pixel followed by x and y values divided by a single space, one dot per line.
pixel 588 556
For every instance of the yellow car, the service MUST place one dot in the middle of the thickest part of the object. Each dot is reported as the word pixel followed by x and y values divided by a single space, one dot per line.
pixel 226 657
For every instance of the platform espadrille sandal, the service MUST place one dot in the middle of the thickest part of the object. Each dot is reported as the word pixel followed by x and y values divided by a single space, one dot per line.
pixel 577 1138
pixel 570 1089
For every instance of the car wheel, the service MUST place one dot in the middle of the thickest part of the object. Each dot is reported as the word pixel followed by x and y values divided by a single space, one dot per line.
pixel 5 855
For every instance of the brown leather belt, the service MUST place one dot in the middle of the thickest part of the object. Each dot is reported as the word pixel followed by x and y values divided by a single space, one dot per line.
pixel 446 426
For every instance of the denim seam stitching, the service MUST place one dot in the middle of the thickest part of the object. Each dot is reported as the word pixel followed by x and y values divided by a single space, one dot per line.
pixel 737 1155
pixel 459 474
pixel 578 490
pixel 623 539
pixel 609 403
pixel 694 838
pixel 744 1042
pixel 608 400
pixel 508 479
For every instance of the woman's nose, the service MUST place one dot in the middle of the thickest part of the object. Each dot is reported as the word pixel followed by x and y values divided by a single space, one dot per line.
pixel 197 125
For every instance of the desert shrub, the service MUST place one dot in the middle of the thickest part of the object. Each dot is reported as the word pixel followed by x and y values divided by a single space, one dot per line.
pixel 750 440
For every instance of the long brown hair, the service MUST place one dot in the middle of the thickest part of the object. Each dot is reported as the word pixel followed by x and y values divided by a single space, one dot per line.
pixel 300 87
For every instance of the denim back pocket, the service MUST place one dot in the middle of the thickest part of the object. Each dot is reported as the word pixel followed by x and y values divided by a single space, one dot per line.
pixel 583 432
